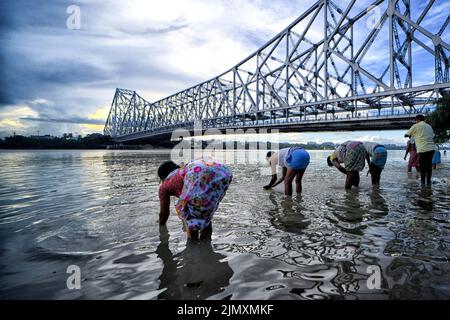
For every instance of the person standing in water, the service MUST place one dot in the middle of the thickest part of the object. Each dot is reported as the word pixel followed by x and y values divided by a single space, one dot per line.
pixel 413 161
pixel 352 154
pixel 293 162
pixel 423 134
pixel 200 187
pixel 436 158
pixel 376 156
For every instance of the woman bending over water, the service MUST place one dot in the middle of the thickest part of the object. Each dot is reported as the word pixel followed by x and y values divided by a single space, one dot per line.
pixel 199 186
pixel 293 162
pixel 352 154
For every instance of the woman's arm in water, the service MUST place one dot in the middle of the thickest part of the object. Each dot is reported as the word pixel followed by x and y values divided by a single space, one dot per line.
pixel 164 212
pixel 368 159
pixel 368 162
pixel 283 175
pixel 339 167
pixel 271 183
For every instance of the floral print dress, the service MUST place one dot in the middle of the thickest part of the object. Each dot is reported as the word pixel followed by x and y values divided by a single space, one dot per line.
pixel 200 186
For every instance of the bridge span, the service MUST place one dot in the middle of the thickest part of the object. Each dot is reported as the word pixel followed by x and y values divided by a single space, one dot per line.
pixel 393 122
pixel 338 66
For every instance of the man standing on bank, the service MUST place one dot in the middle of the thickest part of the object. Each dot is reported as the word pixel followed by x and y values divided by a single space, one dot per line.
pixel 423 134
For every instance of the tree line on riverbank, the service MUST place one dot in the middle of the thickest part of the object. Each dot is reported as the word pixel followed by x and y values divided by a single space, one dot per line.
pixel 67 141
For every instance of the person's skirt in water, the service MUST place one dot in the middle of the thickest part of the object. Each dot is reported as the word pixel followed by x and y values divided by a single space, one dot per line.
pixel 205 185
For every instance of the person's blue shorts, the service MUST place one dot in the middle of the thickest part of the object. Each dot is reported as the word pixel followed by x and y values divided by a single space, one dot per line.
pixel 297 158
pixel 379 157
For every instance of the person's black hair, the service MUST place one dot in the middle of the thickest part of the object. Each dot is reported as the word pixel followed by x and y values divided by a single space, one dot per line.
pixel 166 168
pixel 269 154
pixel 329 162
pixel 420 117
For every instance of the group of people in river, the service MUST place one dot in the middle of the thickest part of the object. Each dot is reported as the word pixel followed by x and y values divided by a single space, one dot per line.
pixel 413 161
pixel 201 185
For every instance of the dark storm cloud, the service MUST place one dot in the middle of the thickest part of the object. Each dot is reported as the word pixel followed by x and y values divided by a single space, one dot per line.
pixel 68 72
pixel 25 72
pixel 41 59
pixel 16 14
pixel 26 79
pixel 74 119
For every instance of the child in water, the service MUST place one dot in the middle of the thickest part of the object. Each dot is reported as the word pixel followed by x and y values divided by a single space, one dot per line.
pixel 413 161
pixel 199 186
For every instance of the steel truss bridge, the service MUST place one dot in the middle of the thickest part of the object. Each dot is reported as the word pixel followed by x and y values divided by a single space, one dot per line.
pixel 338 66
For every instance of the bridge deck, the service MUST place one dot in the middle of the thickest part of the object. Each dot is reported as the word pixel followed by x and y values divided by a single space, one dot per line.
pixel 350 124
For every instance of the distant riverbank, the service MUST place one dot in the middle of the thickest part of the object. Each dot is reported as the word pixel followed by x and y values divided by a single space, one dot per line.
pixel 99 141
pixel 92 141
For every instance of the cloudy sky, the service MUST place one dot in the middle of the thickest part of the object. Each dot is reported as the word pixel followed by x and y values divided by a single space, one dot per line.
pixel 56 80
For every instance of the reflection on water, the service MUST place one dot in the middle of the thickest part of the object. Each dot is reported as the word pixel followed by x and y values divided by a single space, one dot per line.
pixel 426 198
pixel 196 273
pixel 378 204
pixel 99 210
pixel 286 213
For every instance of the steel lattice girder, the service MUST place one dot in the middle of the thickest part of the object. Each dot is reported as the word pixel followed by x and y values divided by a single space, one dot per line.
pixel 325 64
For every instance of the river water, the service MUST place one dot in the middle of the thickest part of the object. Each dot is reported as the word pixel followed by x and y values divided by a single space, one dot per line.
pixel 98 210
